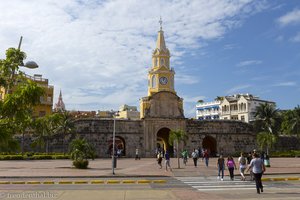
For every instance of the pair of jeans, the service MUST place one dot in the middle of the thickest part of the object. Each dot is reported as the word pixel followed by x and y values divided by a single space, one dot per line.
pixel 220 170
pixel 231 170
pixel 257 177
pixel 206 161
pixel 195 161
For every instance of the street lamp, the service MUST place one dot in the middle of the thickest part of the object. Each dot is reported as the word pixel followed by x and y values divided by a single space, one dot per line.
pixel 114 161
pixel 29 64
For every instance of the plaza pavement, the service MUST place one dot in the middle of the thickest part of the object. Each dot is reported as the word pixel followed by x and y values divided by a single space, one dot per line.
pixel 130 168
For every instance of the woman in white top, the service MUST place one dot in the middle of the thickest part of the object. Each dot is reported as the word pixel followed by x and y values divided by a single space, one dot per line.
pixel 258 169
pixel 242 166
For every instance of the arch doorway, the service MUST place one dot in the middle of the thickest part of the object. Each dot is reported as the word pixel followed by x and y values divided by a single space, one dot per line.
pixel 210 144
pixel 162 142
pixel 119 145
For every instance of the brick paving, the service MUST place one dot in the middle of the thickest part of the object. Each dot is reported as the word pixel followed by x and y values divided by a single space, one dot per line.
pixel 128 167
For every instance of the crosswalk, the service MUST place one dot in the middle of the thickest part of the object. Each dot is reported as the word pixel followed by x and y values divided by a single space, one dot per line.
pixel 205 184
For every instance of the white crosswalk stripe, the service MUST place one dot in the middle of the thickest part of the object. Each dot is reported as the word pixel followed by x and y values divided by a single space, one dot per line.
pixel 204 184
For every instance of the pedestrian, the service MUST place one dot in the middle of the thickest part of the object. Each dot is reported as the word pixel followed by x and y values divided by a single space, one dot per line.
pixel 184 156
pixel 258 168
pixel 242 166
pixel 167 161
pixel 159 158
pixel 221 167
pixel 231 166
pixel 206 157
pixel 137 156
pixel 195 157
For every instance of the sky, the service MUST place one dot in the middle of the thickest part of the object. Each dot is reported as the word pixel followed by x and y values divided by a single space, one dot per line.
pixel 98 52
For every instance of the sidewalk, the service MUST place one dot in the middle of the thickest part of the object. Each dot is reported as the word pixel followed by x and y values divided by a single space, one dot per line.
pixel 128 167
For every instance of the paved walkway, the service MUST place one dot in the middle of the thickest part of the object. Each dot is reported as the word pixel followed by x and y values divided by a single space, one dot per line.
pixel 128 167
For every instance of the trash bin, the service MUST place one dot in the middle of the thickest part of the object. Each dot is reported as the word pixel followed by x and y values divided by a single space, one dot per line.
pixel 267 161
pixel 115 162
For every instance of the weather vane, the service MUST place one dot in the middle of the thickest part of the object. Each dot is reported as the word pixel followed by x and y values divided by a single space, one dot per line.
pixel 160 22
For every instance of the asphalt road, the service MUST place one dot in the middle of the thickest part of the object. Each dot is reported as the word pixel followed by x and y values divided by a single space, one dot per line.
pixel 146 188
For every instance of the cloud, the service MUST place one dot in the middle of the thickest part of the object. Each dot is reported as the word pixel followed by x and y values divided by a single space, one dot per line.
pixel 237 89
pixel 290 18
pixel 249 63
pixel 98 52
pixel 285 84
pixel 296 38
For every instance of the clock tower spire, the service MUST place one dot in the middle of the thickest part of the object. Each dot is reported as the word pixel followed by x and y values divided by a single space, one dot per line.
pixel 161 76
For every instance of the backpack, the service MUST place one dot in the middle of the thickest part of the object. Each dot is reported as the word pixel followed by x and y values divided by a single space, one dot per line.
pixel 243 161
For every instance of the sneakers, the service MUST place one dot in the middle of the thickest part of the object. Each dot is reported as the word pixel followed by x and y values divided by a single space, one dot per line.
pixel 222 179
pixel 262 189
pixel 218 178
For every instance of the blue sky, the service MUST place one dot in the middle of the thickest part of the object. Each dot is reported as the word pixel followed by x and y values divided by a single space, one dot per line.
pixel 99 52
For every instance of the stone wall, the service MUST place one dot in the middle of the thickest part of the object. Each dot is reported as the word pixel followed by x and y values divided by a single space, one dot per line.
pixel 286 143
pixel 227 137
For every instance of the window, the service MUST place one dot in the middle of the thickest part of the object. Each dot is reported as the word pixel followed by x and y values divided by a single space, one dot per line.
pixel 153 81
pixel 162 61
pixel 243 118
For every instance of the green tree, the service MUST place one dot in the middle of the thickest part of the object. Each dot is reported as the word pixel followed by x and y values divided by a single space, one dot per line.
pixel 291 122
pixel 16 112
pixel 16 107
pixel 66 126
pixel 80 151
pixel 9 66
pixel 45 127
pixel 267 124
pixel 218 98
pixel 177 136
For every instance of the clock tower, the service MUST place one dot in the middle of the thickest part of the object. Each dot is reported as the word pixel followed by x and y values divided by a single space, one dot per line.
pixel 161 76
pixel 162 100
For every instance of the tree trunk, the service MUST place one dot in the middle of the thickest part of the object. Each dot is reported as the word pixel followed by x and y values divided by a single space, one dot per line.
pixel 178 160
pixel 23 137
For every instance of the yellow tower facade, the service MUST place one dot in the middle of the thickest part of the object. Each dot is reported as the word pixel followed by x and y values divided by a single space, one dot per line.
pixel 162 100
pixel 161 76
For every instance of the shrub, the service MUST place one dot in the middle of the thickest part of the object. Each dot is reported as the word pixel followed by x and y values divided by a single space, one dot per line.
pixel 11 157
pixel 41 157
pixel 60 156
pixel 81 164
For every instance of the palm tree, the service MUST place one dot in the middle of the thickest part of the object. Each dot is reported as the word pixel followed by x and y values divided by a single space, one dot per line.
pixel 45 127
pixel 267 125
pixel 291 122
pixel 218 98
pixel 177 136
pixel 66 125
pixel 266 139
pixel 80 151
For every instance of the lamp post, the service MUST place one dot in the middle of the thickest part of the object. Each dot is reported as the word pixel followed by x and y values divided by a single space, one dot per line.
pixel 114 161
pixel 29 64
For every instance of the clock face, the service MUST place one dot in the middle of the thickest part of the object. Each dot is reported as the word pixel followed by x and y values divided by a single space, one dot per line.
pixel 163 80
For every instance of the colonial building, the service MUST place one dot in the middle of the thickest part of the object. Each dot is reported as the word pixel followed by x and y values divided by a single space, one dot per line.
pixel 208 110
pixel 128 112
pixel 46 101
pixel 235 107
pixel 241 107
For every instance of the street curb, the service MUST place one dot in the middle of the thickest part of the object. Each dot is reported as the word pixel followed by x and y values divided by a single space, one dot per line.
pixel 90 182
pixel 282 179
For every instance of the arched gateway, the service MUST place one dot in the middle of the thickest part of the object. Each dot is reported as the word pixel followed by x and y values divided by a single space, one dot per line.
pixel 210 144
pixel 163 140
